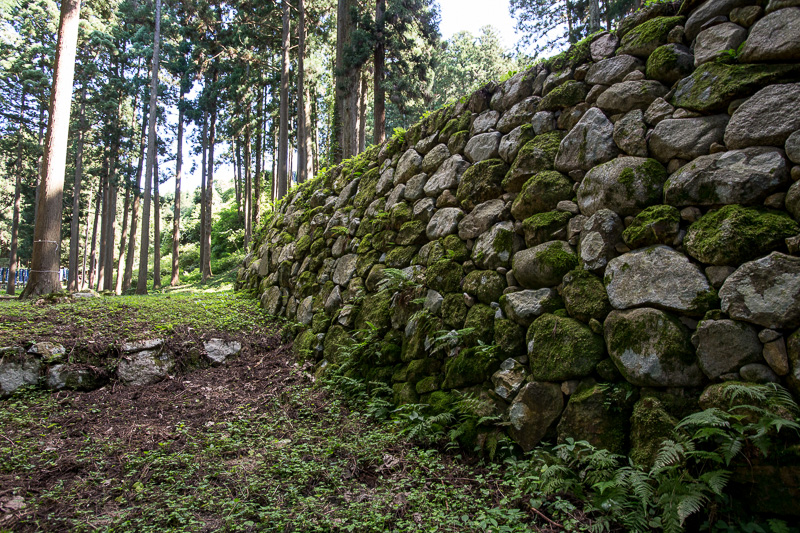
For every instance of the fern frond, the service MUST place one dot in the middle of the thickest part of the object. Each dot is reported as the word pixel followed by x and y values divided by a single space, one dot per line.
pixel 716 480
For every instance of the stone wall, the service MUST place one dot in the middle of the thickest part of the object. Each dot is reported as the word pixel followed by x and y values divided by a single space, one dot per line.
pixel 615 228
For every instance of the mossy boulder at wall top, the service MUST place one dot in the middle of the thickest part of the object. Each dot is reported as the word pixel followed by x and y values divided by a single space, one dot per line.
pixel 492 236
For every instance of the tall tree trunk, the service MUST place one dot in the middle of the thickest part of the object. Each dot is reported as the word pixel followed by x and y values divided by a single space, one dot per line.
pixel 12 258
pixel 212 130
pixel 141 284
pixel 47 232
pixel 283 142
pixel 122 241
pixel 176 210
pixel 248 181
pixel 156 229
pixel 237 177
pixel 362 113
pixel 203 175
pixel 74 232
pixel 380 67
pixel 304 167
pixel 85 250
pixel 257 178
pixel 594 16
pixel 93 255
pixel 101 249
pixel 111 223
pixel 137 194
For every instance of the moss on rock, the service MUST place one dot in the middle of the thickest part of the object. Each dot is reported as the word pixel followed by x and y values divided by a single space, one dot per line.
pixel 541 193
pixel 455 248
pixel 337 340
pixel 481 183
pixel 444 276
pixel 487 285
pixel 544 227
pixel 562 348
pixel 658 224
pixel 412 232
pixel 734 234
pixel 643 40
pixel 375 311
pixel 509 337
pixel 567 94
pixel 454 310
pixel 401 256
pixel 399 214
pixel 480 318
pixel 472 366
pixel 304 347
pixel 585 296
pixel 537 155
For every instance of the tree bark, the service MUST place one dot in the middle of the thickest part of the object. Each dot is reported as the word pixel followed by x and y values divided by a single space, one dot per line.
pixel 257 179
pixel 283 134
pixel 85 250
pixel 74 233
pixel 176 210
pixel 304 150
pixel 156 229
pixel 93 255
pixel 203 175
pixel 141 285
pixel 380 67
pixel 137 194
pixel 362 113
pixel 212 131
pixel 47 232
pixel 11 287
pixel 248 180
pixel 122 240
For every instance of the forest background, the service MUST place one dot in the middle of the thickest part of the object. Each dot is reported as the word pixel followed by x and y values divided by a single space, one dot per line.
pixel 261 94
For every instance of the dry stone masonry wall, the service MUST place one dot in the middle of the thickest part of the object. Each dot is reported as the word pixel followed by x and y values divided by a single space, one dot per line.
pixel 616 227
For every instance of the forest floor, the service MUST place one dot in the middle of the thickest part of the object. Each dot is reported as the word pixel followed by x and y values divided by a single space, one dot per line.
pixel 255 445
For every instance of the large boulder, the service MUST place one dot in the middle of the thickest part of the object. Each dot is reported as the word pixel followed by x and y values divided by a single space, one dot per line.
pixel 511 143
pixel 481 183
pixel 628 95
pixel 707 11
pixel 600 235
pixel 145 367
pixel 443 223
pixel 486 285
pixel 598 414
pixel 537 155
pixel 612 70
pixel 483 146
pixel 219 350
pixel 765 292
pixel 652 349
pixel 494 248
pixel 670 63
pixel 625 185
pixel 541 193
pixel 521 113
pixel 534 412
pixel 713 86
pixel 686 138
pixel 447 177
pixel 562 348
pixel 715 42
pixel 523 307
pixel 585 296
pixel 735 234
pixel 642 40
pixel 408 166
pixel 75 377
pixel 774 38
pixel 724 346
pixel 17 371
pixel 480 219
pixel 543 265
pixel 766 119
pixel 658 224
pixel 735 177
pixel 588 144
pixel 658 276
pixel 630 133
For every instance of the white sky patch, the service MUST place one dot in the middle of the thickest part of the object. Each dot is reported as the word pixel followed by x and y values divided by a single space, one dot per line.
pixel 471 15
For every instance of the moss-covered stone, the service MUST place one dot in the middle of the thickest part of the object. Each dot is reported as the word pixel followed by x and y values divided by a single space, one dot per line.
pixel 389 349
pixel 306 284
pixel 460 123
pixel 669 63
pixel 441 401
pixel 567 94
pixel 541 193
pixel 657 224
pixel 535 156
pixel 643 40
pixel 444 276
pixel 585 296
pixel 599 414
pixel 544 265
pixel 317 247
pixel 481 183
pixel 544 227
pixel 412 232
pixel 320 323
pixel 399 214
pixel 458 141
pixel 480 318
pixel 375 311
pixel 337 340
pixel 454 310
pixel 713 86
pixel 487 285
pixel 562 348
pixel 509 337
pixel 651 424
pixel 472 366
pixel 302 246
pixel 384 241
pixel 734 234
pixel 401 256
pixel 455 248
pixel 365 262
pixel 428 384
pixel 405 393
pixel 305 346
pixel 366 188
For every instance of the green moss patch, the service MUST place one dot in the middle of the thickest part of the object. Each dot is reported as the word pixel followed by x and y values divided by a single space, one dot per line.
pixel 563 348
pixel 544 227
pixel 487 285
pixel 567 94
pixel 444 276
pixel 481 183
pixel 658 224
pixel 585 296
pixel 541 193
